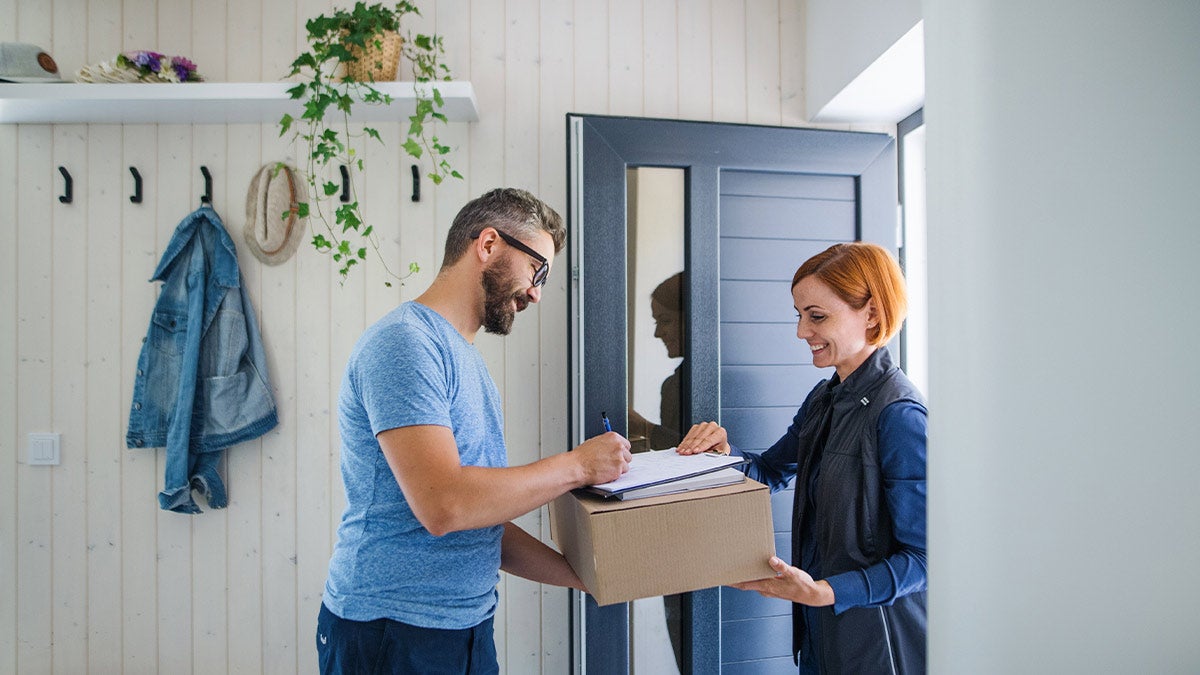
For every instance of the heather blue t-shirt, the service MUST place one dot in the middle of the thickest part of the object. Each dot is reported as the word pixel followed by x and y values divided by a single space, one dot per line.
pixel 412 368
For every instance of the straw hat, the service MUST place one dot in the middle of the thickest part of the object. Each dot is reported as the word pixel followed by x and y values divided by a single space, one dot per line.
pixel 275 190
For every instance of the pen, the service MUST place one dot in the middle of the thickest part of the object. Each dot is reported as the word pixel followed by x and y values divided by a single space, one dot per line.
pixel 604 418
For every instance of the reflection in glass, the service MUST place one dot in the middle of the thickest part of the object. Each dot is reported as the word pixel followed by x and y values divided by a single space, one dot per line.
pixel 657 353
pixel 666 307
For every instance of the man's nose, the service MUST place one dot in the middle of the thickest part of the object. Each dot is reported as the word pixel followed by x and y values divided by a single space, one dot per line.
pixel 534 293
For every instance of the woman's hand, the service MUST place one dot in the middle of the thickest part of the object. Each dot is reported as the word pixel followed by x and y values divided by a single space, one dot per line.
pixel 704 437
pixel 791 583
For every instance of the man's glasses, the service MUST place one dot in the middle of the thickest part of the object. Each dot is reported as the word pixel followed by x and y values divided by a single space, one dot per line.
pixel 539 277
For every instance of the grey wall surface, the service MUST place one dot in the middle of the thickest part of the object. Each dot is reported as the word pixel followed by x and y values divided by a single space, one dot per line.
pixel 1063 236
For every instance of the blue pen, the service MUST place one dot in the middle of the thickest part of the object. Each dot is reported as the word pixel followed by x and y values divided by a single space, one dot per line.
pixel 604 418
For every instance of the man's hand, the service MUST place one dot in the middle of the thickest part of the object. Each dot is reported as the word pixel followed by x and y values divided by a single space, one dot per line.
pixel 448 497
pixel 602 458
pixel 791 583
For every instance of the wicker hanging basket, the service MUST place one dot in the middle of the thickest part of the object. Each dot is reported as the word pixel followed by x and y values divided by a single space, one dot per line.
pixel 376 64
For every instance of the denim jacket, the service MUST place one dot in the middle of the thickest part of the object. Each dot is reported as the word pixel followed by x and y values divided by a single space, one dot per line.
pixel 201 381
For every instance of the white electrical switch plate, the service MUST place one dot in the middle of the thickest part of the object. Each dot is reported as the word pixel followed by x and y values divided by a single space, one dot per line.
pixel 44 448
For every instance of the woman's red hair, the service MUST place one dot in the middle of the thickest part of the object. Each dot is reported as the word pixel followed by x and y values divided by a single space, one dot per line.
pixel 861 272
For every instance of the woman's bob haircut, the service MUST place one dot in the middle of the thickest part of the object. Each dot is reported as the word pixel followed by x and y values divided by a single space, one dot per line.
pixel 860 272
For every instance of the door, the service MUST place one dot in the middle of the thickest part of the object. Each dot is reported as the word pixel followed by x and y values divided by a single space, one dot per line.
pixel 756 202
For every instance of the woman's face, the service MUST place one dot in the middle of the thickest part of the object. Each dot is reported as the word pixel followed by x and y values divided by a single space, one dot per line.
pixel 835 332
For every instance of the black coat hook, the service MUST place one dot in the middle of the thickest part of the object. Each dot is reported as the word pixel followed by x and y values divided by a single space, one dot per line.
pixel 206 198
pixel 136 197
pixel 416 197
pixel 68 190
pixel 345 183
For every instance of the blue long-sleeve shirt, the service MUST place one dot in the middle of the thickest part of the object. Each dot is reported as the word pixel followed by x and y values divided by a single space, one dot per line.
pixel 902 445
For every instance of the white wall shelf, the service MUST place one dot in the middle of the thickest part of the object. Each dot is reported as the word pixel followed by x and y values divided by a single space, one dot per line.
pixel 201 103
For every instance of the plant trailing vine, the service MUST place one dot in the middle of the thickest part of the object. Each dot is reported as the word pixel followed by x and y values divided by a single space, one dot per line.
pixel 337 40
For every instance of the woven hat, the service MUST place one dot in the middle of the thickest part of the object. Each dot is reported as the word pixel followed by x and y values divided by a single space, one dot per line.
pixel 23 62
pixel 271 236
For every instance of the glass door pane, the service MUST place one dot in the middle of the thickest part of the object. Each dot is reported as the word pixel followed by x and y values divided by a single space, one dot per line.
pixel 656 353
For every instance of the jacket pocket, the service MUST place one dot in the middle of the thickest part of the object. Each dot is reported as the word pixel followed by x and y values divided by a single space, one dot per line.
pixel 233 403
pixel 168 332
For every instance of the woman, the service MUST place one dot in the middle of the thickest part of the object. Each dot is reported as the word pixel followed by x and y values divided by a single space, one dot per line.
pixel 857 448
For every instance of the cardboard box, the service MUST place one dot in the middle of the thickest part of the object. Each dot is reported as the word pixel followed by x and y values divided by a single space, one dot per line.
pixel 642 548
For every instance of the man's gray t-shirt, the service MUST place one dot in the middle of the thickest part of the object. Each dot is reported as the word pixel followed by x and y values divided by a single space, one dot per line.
pixel 412 368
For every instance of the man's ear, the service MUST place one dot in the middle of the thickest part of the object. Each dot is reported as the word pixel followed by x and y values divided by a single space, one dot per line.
pixel 486 243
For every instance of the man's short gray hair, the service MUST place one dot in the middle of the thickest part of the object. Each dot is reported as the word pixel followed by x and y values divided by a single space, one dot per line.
pixel 511 210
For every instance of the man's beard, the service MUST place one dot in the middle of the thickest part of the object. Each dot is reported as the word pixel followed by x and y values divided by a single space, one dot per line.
pixel 498 313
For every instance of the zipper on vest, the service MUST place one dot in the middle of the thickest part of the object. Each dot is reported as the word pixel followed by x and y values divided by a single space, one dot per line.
pixel 887 639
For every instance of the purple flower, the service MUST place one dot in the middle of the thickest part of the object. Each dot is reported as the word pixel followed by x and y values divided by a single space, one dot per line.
pixel 183 68
pixel 147 60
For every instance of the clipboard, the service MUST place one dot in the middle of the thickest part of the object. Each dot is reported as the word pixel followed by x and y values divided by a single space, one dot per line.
pixel 661 467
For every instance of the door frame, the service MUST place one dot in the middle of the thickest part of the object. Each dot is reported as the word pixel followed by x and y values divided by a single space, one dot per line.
pixel 600 149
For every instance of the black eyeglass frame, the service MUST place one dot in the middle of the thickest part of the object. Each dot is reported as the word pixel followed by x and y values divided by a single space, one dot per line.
pixel 539 275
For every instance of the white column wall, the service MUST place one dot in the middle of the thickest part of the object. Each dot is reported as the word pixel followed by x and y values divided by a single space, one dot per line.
pixel 1064 521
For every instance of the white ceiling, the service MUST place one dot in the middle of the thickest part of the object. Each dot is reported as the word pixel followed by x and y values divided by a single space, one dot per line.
pixel 890 89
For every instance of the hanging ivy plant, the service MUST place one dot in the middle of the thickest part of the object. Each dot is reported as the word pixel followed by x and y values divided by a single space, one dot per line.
pixel 348 49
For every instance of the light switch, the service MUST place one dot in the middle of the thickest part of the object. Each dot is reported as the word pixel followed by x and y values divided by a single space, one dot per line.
pixel 44 448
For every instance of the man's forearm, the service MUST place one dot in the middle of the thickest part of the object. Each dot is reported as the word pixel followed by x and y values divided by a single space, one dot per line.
pixel 524 556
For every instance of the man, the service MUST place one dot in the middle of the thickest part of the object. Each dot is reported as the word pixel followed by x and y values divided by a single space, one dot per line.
pixel 412 581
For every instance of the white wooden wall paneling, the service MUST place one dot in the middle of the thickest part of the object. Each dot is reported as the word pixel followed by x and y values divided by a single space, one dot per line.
pixel 307 295
pixel 454 23
pixel 301 295
pixel 140 476
pixel 521 348
pixel 11 443
pixel 103 438
pixel 244 462
pixel 210 543
pixel 762 63
pixel 319 495
pixel 178 194
pixel 791 62
pixel 282 449
pixel 660 54
pixel 695 60
pixel 285 451
pixel 729 61
pixel 139 26
pixel 34 406
pixel 68 280
pixel 412 226
pixel 554 100
pixel 591 49
pixel 626 42
pixel 68 333
pixel 486 170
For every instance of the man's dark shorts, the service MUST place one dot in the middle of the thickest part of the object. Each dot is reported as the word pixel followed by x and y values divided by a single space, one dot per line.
pixel 385 646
